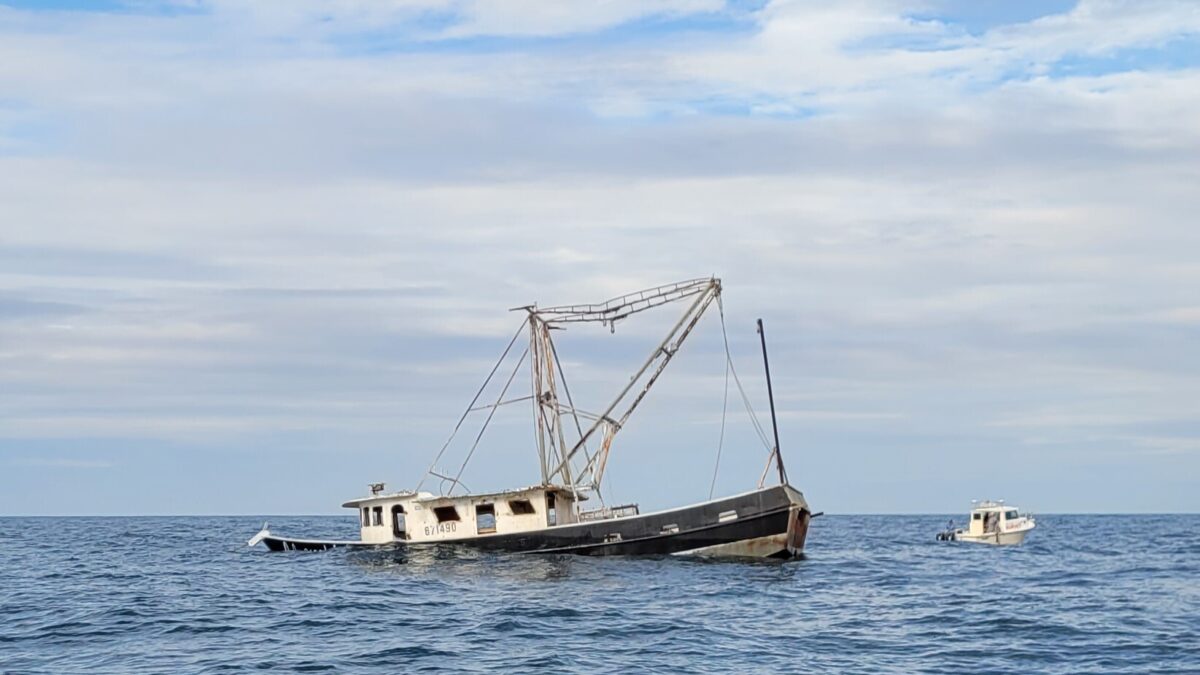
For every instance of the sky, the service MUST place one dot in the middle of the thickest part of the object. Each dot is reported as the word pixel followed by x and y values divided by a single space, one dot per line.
pixel 257 255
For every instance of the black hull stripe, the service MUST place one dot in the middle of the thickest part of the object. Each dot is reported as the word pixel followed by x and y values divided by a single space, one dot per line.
pixel 750 527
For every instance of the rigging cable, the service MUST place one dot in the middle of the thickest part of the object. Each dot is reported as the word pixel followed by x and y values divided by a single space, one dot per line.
pixel 762 435
pixel 724 401
pixel 574 413
pixel 470 405
pixel 731 370
pixel 489 417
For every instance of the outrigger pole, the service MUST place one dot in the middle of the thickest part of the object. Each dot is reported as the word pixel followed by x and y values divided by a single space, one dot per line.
pixel 771 397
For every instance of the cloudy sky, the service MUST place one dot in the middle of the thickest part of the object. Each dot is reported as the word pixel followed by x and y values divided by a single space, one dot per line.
pixel 255 255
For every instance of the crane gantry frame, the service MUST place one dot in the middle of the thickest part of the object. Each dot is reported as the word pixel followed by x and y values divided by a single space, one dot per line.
pixel 557 456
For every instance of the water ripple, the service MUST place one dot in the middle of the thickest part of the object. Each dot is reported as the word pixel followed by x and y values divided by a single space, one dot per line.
pixel 873 594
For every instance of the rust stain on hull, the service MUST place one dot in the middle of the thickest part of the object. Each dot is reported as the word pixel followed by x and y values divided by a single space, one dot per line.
pixel 798 531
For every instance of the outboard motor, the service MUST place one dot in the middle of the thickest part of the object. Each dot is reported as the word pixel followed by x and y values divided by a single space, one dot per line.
pixel 948 533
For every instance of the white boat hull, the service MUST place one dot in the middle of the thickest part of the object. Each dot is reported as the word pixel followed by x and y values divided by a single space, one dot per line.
pixel 994 538
pixel 992 523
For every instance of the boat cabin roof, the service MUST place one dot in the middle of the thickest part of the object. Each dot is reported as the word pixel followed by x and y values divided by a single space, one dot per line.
pixel 484 496
pixel 989 506
pixel 384 497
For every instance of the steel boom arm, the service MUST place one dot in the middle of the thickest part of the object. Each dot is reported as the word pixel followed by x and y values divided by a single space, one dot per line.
pixel 622 306
pixel 705 290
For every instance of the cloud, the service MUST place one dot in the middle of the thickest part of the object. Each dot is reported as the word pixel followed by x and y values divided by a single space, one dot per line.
pixel 302 222
pixel 852 54
pixel 494 17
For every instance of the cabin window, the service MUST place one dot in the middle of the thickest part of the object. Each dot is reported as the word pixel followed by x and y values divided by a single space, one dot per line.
pixel 377 516
pixel 726 515
pixel 670 529
pixel 551 513
pixel 446 513
pixel 976 516
pixel 520 507
pixel 485 518
pixel 366 517
pixel 398 521
pixel 609 538
pixel 1010 515
pixel 990 521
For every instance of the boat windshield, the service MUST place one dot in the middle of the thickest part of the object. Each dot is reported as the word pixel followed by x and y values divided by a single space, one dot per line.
pixel 1010 515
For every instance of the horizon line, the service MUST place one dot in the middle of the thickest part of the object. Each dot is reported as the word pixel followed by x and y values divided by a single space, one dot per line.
pixel 349 515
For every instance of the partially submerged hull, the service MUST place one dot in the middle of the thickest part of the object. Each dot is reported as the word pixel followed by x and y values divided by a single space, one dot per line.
pixel 766 523
pixel 573 450
pixel 275 543
pixel 993 538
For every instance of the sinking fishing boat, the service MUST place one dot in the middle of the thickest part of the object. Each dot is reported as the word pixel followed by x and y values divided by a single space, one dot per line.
pixel 573 448
pixel 992 522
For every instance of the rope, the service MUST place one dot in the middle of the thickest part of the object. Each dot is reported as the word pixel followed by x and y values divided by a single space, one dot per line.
pixel 470 405
pixel 489 417
pixel 762 435
pixel 562 377
pixel 500 403
pixel 731 370
pixel 724 401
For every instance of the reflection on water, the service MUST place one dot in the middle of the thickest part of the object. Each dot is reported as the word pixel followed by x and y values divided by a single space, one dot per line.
pixel 459 561
pixel 446 560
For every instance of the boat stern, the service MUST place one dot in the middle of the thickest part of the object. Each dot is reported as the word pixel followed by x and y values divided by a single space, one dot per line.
pixel 798 521
pixel 784 539
pixel 799 517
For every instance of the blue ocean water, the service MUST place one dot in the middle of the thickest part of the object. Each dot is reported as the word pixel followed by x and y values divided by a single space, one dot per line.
pixel 1105 594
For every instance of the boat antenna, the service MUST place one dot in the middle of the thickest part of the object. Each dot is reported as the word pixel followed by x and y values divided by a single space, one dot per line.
pixel 771 397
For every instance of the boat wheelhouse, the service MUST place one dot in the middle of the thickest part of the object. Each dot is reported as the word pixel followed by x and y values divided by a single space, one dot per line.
pixel 426 517
pixel 573 446
pixel 992 522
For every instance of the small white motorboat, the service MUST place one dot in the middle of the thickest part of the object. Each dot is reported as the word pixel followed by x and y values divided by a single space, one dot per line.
pixel 992 522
